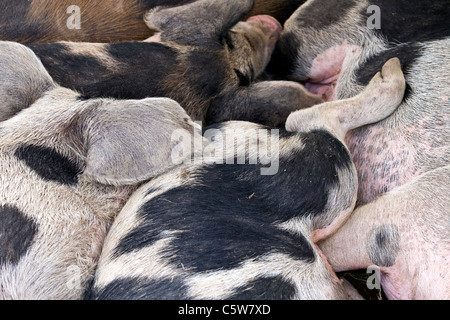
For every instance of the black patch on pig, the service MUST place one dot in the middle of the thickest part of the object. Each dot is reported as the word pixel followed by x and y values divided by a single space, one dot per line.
pixel 17 232
pixel 244 80
pixel 49 164
pixel 383 245
pixel 407 53
pixel 140 289
pixel 83 97
pixel 319 15
pixel 243 106
pixel 405 21
pixel 66 68
pixel 271 288
pixel 269 106
pixel 284 56
pixel 206 72
pixel 211 236
pixel 149 4
pixel 143 68
pixel 229 213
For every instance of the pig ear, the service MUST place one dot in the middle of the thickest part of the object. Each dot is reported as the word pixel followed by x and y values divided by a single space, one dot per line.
pixel 197 21
pixel 23 78
pixel 131 141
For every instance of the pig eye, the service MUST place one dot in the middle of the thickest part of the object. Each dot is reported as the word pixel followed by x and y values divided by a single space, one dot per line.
pixel 243 80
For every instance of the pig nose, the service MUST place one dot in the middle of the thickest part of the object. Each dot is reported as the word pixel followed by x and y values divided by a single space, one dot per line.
pixel 269 25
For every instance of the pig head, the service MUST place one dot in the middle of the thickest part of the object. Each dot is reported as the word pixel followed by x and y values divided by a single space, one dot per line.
pixel 202 52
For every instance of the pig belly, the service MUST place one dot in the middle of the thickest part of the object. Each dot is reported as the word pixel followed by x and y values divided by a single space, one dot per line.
pixel 384 159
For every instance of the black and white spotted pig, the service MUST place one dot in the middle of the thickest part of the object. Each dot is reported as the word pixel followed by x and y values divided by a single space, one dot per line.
pixel 332 46
pixel 201 53
pixel 206 230
pixel 67 167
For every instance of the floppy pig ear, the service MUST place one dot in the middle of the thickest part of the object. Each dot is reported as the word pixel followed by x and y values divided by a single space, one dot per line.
pixel 197 21
pixel 131 141
pixel 23 78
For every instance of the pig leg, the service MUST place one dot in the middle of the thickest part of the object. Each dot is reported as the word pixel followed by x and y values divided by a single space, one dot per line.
pixel 406 233
pixel 376 102
pixel 268 103
pixel 379 99
pixel 271 102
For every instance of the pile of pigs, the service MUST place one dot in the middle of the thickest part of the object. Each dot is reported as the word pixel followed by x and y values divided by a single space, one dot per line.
pixel 239 149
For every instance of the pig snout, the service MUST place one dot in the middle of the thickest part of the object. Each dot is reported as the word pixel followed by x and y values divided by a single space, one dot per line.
pixel 269 26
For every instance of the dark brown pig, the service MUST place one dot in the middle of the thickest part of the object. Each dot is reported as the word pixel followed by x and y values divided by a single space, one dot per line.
pixel 203 52
pixel 39 21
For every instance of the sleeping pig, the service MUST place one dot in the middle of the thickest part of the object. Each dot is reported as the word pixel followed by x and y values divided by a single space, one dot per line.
pixel 45 21
pixel 67 166
pixel 203 52
pixel 229 226
pixel 335 47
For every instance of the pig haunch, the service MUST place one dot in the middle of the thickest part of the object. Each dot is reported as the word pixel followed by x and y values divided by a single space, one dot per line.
pixel 406 233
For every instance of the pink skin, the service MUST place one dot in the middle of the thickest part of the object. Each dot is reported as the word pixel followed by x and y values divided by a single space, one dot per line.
pixel 271 23
pixel 325 71
pixel 269 26
pixel 155 38
pixel 383 160
pixel 323 88
pixel 387 158
pixel 421 268
pixel 326 68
